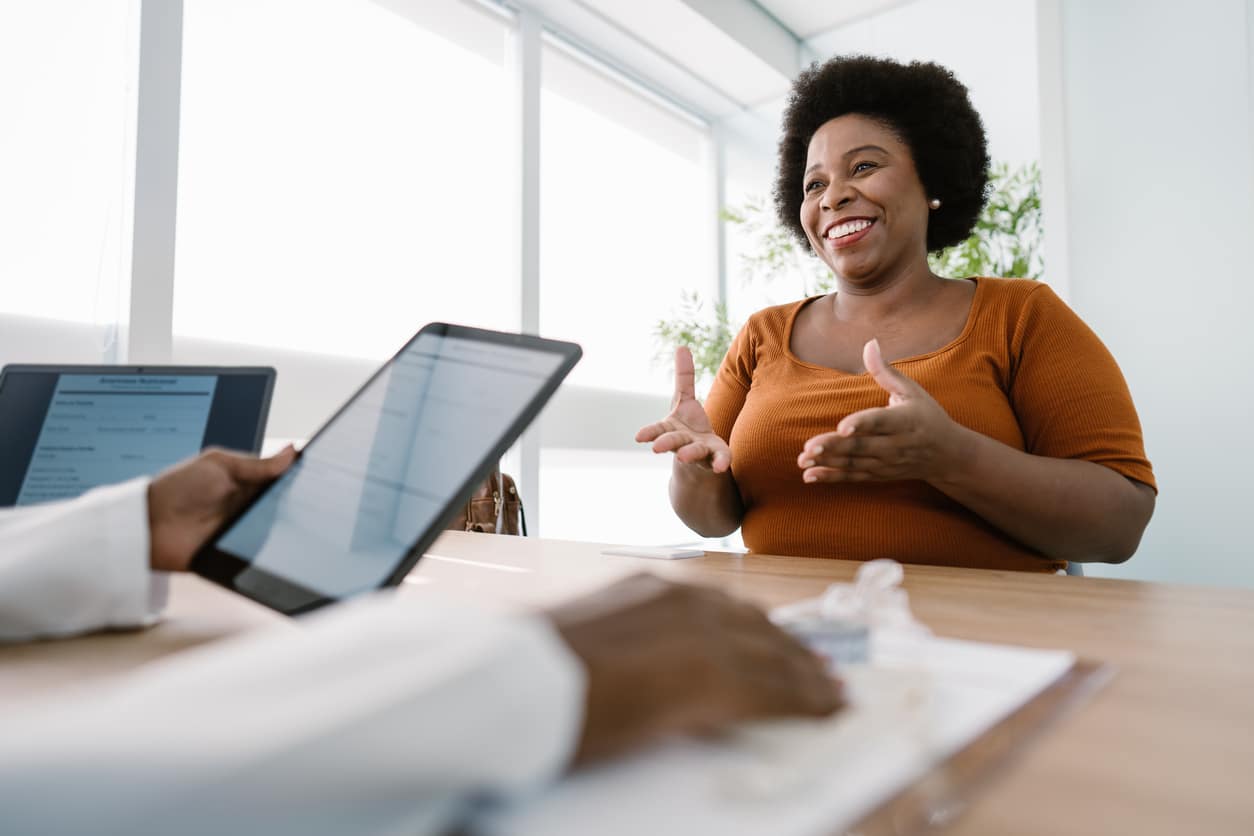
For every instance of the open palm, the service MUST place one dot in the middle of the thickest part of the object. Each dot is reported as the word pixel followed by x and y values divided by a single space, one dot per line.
pixel 686 431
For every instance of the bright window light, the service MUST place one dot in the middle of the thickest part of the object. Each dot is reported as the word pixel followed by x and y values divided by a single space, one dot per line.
pixel 67 77
pixel 627 225
pixel 346 173
pixel 609 496
pixel 627 220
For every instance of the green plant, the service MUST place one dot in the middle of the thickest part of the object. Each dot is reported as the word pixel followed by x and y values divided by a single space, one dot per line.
pixel 708 338
pixel 1006 241
pixel 1007 236
pixel 773 252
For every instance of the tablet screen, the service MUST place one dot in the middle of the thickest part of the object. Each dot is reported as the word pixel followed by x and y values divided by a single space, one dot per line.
pixel 384 471
pixel 65 431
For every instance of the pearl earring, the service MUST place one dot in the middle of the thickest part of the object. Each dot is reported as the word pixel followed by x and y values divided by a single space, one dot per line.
pixel 934 203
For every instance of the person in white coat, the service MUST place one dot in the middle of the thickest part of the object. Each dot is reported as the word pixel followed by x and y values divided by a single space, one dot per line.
pixel 375 716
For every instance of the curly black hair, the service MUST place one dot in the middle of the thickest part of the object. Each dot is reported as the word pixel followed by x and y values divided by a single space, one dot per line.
pixel 923 104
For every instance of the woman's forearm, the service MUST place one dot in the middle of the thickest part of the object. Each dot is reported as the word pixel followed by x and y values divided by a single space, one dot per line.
pixel 709 503
pixel 1067 509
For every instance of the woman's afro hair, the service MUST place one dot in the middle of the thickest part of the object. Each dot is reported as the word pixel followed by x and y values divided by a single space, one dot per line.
pixel 923 104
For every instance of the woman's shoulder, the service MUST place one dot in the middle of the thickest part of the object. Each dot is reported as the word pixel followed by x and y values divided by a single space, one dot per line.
pixel 1023 312
pixel 1019 290
pixel 766 331
pixel 1012 299
pixel 773 321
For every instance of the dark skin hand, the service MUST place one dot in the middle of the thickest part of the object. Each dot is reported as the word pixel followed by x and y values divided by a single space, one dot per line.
pixel 188 502
pixel 686 431
pixel 664 659
pixel 703 492
pixel 1080 510
pixel 910 438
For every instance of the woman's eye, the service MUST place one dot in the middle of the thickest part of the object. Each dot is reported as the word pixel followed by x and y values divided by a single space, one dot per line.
pixel 813 185
pixel 861 167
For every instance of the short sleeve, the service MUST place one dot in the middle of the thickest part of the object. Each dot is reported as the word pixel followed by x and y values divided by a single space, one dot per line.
pixel 1068 393
pixel 731 383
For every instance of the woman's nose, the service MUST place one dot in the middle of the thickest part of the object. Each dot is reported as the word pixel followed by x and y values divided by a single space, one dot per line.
pixel 836 195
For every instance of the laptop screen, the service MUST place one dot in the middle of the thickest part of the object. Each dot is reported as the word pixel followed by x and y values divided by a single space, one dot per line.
pixel 66 431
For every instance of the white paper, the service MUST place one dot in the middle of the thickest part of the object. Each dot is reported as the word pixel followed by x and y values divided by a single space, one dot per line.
pixel 919 701
pixel 655 552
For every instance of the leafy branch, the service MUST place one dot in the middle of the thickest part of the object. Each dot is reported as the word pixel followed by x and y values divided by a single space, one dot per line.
pixel 774 253
pixel 692 326
pixel 1007 240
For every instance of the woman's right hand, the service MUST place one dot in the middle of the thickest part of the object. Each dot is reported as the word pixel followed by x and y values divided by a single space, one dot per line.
pixel 686 431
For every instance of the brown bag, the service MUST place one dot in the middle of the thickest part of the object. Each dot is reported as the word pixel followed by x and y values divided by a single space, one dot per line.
pixel 494 508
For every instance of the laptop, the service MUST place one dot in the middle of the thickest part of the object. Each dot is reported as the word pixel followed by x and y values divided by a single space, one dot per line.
pixel 379 481
pixel 67 429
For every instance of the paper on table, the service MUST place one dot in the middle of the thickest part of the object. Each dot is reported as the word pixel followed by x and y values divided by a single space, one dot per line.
pixel 917 703
pixel 655 552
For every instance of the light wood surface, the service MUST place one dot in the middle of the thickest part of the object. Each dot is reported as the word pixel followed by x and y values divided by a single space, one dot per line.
pixel 1167 747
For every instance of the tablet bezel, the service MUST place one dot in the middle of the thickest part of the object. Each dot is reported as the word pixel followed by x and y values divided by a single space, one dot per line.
pixel 287 595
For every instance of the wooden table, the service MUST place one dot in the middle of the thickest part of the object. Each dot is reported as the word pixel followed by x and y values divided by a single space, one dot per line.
pixel 1167 747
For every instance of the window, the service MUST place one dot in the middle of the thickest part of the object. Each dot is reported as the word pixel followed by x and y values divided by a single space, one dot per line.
pixel 628 220
pixel 67 76
pixel 609 496
pixel 346 173
pixel 628 223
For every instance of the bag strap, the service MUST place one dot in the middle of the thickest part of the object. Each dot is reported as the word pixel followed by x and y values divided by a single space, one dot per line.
pixel 498 489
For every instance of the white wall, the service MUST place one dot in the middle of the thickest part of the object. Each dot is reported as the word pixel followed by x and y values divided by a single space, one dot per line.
pixel 989 44
pixel 1159 178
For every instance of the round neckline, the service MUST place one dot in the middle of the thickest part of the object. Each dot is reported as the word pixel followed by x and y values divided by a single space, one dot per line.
pixel 976 300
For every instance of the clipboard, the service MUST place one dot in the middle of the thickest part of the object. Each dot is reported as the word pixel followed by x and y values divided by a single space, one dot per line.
pixel 942 795
pixel 881 774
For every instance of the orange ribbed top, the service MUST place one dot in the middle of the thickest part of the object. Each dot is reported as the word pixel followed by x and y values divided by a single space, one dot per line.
pixel 1025 370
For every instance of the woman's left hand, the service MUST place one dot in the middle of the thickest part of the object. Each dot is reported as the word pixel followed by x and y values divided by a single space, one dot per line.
pixel 911 438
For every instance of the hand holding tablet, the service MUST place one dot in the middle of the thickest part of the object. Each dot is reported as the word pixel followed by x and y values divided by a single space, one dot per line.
pixel 374 487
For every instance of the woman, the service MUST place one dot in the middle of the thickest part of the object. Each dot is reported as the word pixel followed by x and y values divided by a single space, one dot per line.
pixel 966 422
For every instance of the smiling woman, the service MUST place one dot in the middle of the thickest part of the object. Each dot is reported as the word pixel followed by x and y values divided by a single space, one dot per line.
pixel 958 421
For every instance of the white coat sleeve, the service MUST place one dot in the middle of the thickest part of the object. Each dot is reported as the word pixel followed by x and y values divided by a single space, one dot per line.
pixel 387 715
pixel 78 565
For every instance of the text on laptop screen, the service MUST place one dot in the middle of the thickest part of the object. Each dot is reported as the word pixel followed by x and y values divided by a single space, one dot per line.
pixel 100 430
pixel 63 433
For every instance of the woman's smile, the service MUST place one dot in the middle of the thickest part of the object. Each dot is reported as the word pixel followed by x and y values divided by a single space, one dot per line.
pixel 845 233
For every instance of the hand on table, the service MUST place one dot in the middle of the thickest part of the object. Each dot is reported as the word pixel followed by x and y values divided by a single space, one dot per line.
pixel 686 431
pixel 188 502
pixel 665 658
pixel 911 438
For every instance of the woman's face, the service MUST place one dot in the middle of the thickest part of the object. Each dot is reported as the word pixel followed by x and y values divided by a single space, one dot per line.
pixel 864 208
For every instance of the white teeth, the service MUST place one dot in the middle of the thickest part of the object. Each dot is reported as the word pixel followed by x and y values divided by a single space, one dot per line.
pixel 841 230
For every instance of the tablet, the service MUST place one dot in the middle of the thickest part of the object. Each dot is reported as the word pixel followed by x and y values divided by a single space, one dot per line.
pixel 67 429
pixel 379 481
